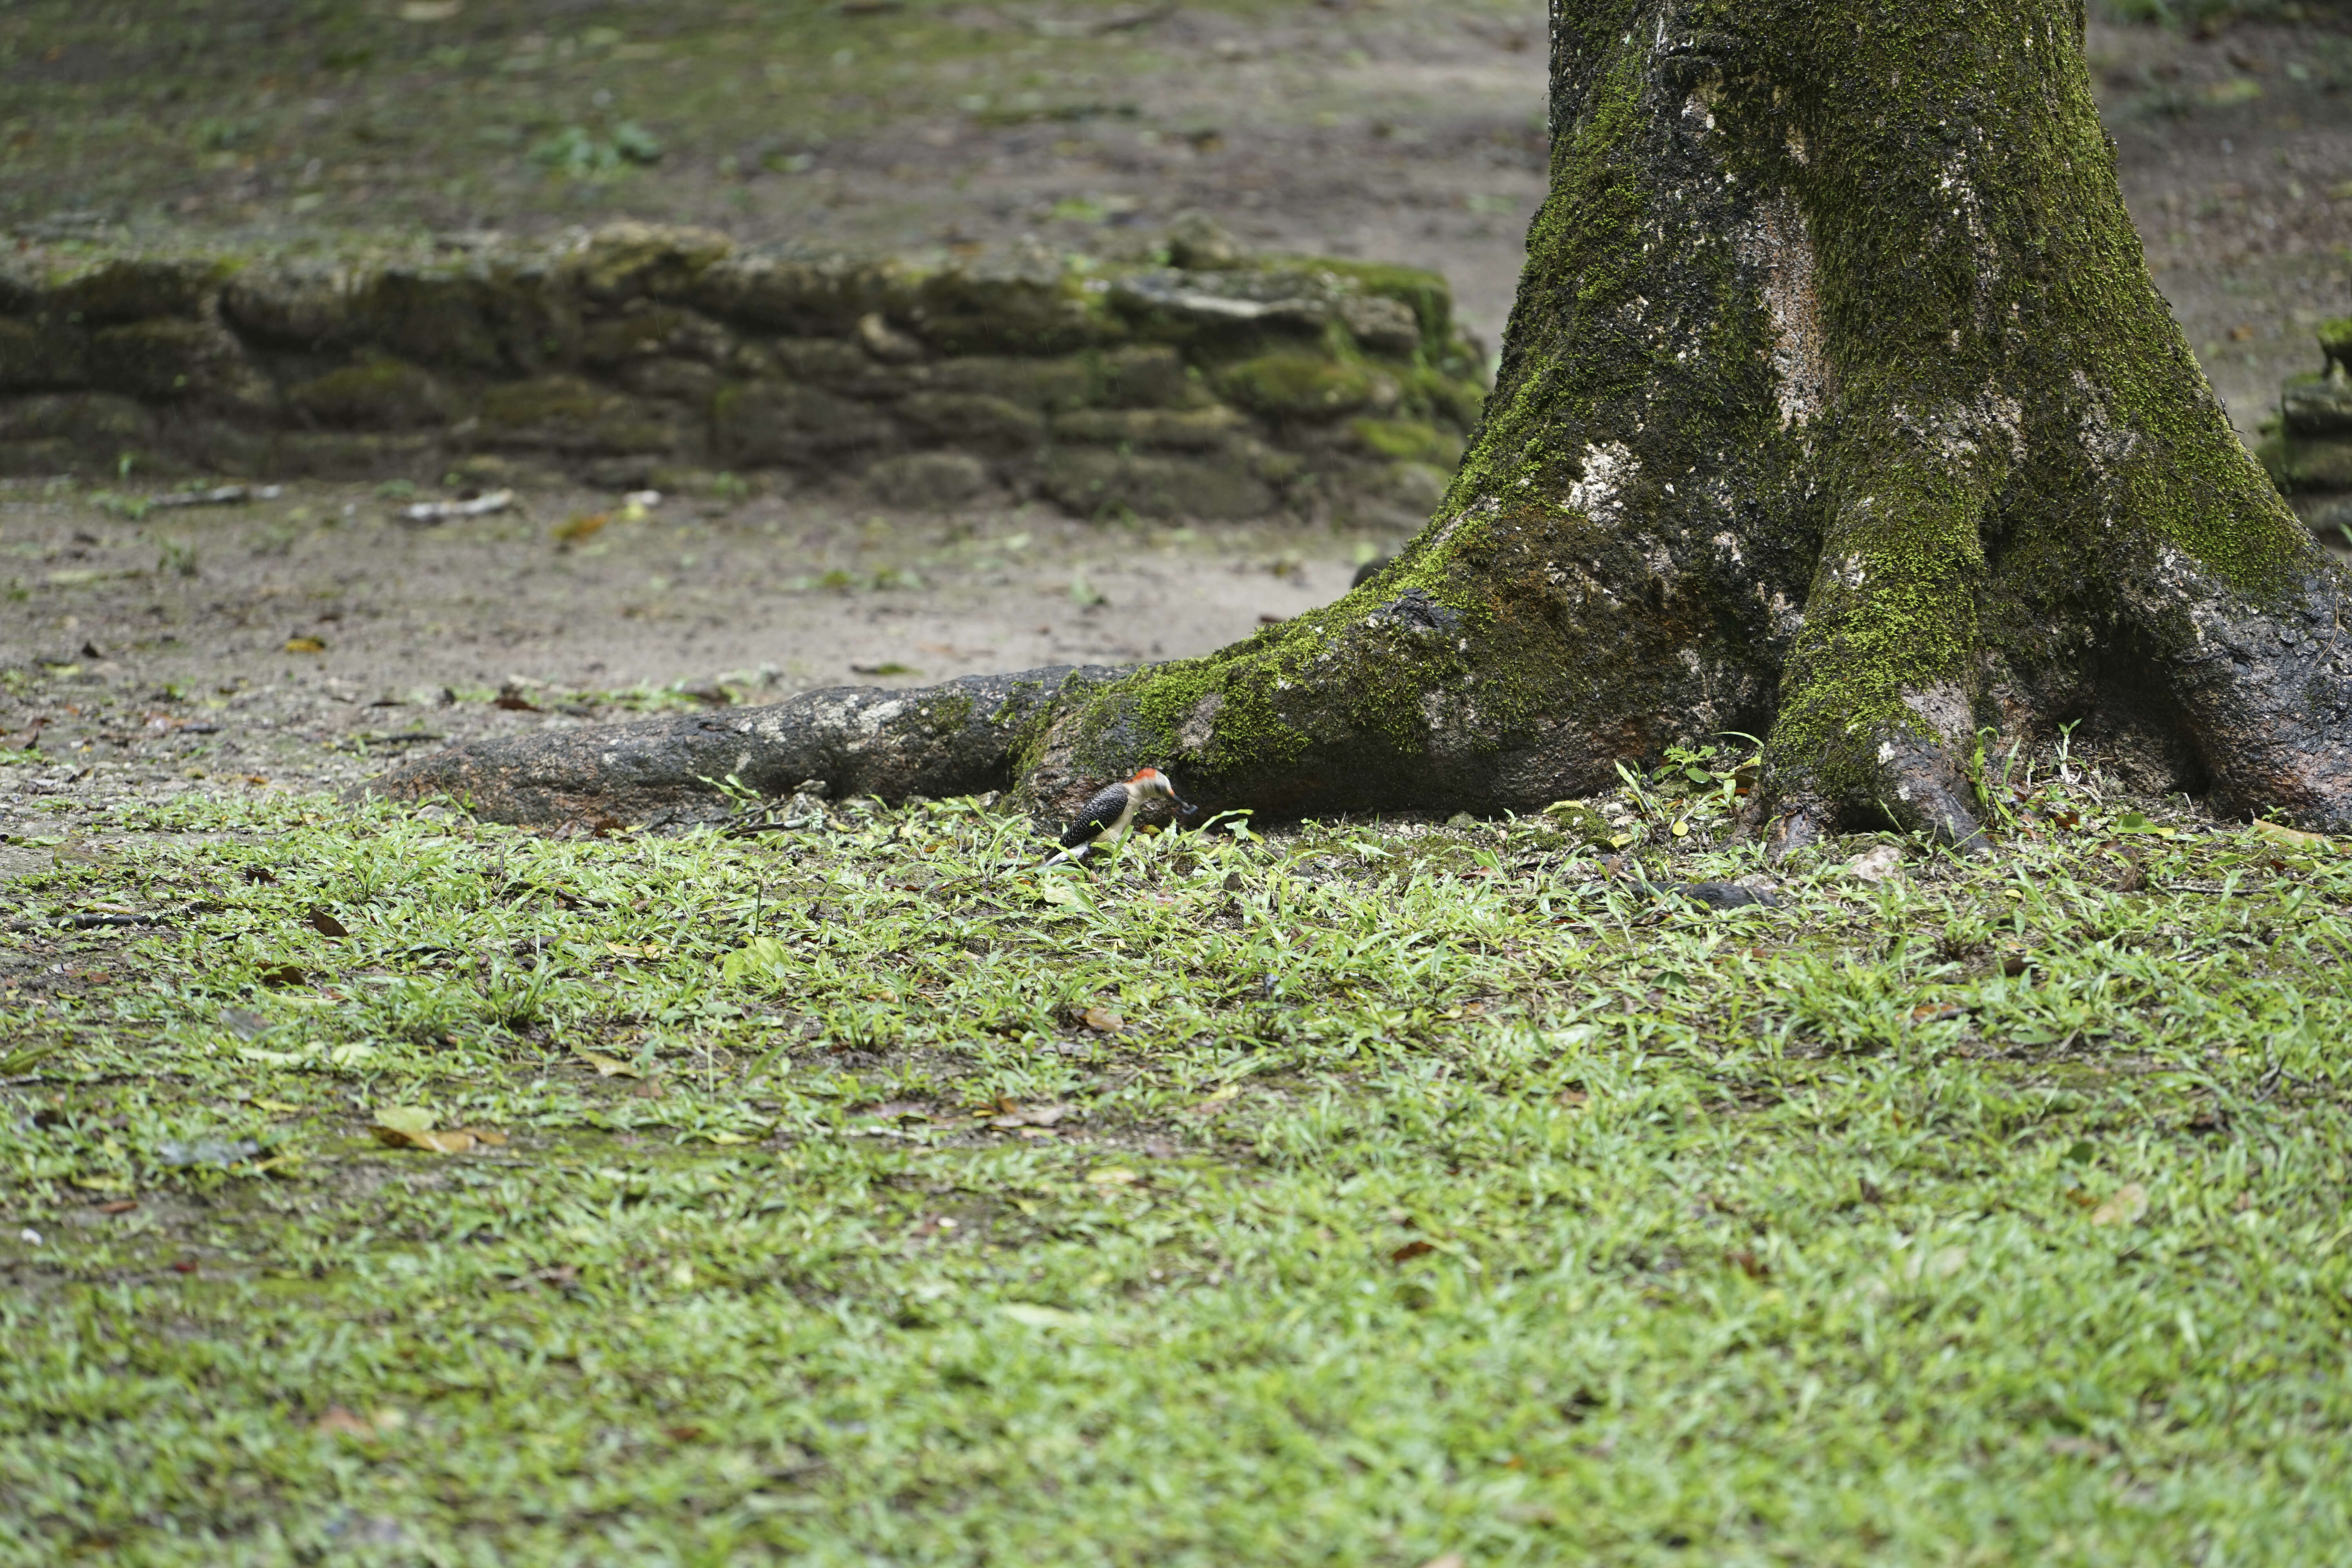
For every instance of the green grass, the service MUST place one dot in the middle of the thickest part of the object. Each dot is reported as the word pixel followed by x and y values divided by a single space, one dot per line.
pixel 1434 1194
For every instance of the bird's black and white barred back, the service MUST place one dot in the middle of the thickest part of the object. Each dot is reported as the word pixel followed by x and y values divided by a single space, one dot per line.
pixel 1108 815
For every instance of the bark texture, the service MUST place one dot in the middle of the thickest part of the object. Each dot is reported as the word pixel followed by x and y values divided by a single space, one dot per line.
pixel 958 738
pixel 1837 406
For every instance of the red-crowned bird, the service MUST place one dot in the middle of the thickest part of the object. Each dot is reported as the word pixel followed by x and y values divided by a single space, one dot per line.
pixel 1107 816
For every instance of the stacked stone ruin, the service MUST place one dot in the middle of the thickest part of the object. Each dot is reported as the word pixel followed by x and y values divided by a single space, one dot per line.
pixel 2309 450
pixel 1221 385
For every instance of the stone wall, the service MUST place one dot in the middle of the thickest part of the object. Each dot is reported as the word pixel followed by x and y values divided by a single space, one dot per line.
pixel 2308 449
pixel 1233 387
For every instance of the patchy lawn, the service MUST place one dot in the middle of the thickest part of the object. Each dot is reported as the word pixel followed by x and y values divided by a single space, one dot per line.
pixel 404 1189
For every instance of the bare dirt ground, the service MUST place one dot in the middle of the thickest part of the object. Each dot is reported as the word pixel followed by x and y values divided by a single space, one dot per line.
pixel 152 652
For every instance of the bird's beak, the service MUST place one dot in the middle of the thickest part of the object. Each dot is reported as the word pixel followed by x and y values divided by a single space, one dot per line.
pixel 1185 806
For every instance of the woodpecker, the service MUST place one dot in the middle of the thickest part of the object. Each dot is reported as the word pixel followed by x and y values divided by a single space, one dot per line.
pixel 1107 816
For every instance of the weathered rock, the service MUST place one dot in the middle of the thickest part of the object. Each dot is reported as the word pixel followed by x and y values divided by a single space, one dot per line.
pixel 635 346
pixel 932 482
pixel 567 413
pixel 167 359
pixel 383 394
pixel 1095 483
pixel 809 296
pixel 1294 384
pixel 759 423
pixel 137 288
pixel 2322 463
pixel 43 354
pixel 1199 243
pixel 630 260
pixel 973 421
pixel 1210 429
pixel 2317 404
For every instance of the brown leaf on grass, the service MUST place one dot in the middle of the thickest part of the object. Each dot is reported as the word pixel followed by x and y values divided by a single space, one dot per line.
pixel 580 525
pixel 326 924
pixel 119 1205
pixel 681 1434
pixel 282 974
pixel 608 1066
pixel 1747 1263
pixel 1103 1021
pixel 1572 1098
pixel 2125 1207
pixel 409 1127
pixel 1412 1249
pixel 305 644
pixel 649 1089
pixel 339 1422
pixel 1010 1114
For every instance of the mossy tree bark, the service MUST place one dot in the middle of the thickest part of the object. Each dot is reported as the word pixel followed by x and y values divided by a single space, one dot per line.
pixel 1837 406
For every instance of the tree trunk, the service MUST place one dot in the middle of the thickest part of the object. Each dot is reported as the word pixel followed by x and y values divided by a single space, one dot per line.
pixel 1837 406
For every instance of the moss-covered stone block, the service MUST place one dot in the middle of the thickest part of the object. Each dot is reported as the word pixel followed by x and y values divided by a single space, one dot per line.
pixel 974 421
pixel 1424 293
pixel 766 424
pixel 1211 429
pixel 684 381
pixel 381 394
pixel 102 420
pixel 1221 310
pixel 167 359
pixel 568 414
pixel 304 305
pixel 2335 344
pixel 138 288
pixel 1047 384
pixel 1458 401
pixel 1412 440
pixel 2323 463
pixel 1095 483
pixel 40 458
pixel 628 260
pixel 1145 375
pixel 1297 385
pixel 42 354
pixel 2317 404
pixel 1030 312
pixel 932 482
pixel 804 296
pixel 659 331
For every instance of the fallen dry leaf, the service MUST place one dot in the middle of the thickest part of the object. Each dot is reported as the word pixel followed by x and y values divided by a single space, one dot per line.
pixel 2278 833
pixel 1103 1021
pixel 608 1066
pixel 411 1127
pixel 119 1205
pixel 1411 1250
pixel 580 525
pixel 339 1422
pixel 2129 1203
pixel 1572 1098
pixel 326 924
pixel 282 974
pixel 1112 1176
pixel 305 644
pixel 1012 1115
